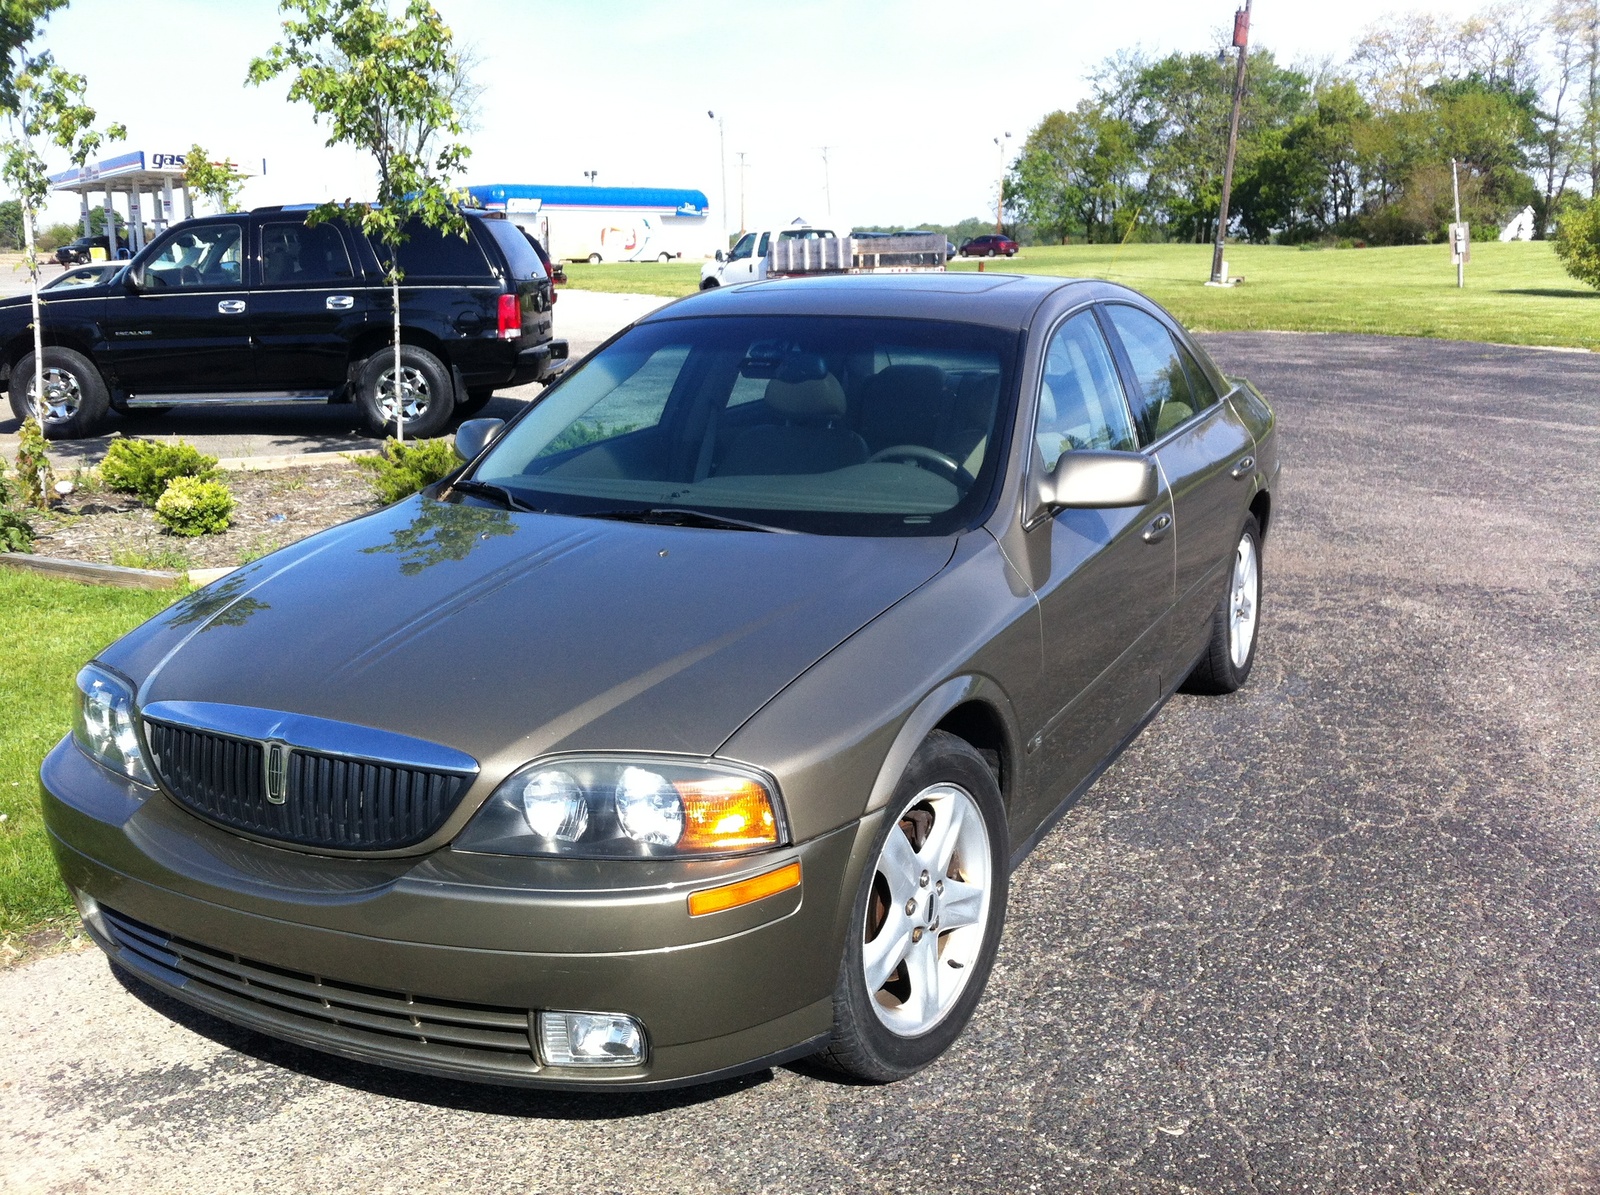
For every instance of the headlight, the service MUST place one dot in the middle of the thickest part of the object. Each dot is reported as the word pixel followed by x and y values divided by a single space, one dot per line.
pixel 103 724
pixel 621 807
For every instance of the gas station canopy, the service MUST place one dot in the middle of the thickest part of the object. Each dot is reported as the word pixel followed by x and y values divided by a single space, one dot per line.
pixel 138 175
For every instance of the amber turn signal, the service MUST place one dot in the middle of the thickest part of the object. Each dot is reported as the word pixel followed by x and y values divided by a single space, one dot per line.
pixel 732 896
pixel 725 813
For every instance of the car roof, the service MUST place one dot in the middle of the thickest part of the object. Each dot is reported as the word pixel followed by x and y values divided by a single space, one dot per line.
pixel 998 300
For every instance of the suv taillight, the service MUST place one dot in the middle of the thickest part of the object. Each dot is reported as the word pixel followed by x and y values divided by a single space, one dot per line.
pixel 510 317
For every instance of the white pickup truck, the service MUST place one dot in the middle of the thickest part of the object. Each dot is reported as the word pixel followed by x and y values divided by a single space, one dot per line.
pixel 747 260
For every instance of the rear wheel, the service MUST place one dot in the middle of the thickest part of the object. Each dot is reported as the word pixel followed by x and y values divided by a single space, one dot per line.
pixel 926 920
pixel 477 398
pixel 594 259
pixel 664 257
pixel 75 395
pixel 1231 653
pixel 990 253
pixel 424 397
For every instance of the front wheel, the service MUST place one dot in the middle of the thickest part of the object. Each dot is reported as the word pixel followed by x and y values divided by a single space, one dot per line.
pixel 663 257
pixel 709 284
pixel 926 921
pixel 422 402
pixel 75 395
pixel 1231 652
pixel 594 259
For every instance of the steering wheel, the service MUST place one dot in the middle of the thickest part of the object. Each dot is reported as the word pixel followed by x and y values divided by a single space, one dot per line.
pixel 922 455
pixel 188 276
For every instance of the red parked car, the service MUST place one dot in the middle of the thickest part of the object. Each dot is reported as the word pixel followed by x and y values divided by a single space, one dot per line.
pixel 990 244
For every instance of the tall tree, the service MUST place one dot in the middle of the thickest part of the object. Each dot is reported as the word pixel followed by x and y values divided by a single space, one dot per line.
pixel 45 108
pixel 389 86
pixel 220 182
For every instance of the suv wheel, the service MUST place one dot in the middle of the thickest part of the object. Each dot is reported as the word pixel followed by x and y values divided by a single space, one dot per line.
pixel 75 395
pixel 477 398
pixel 425 396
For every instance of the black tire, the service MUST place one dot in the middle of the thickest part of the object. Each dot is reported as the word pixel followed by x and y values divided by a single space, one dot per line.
pixel 477 398
pixel 991 253
pixel 863 1045
pixel 709 284
pixel 72 369
pixel 433 411
pixel 594 259
pixel 663 257
pixel 1217 673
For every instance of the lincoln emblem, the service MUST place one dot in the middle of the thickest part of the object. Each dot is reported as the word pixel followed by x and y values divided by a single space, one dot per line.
pixel 277 768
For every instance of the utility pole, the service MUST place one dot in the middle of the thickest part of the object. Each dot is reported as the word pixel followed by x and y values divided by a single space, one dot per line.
pixel 742 155
pixel 1460 238
pixel 722 161
pixel 591 175
pixel 827 193
pixel 1000 195
pixel 1241 40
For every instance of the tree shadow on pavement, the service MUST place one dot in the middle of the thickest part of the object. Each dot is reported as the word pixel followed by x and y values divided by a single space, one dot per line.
pixel 455 1094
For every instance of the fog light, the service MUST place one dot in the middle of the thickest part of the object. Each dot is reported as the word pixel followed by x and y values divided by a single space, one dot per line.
pixel 89 912
pixel 590 1039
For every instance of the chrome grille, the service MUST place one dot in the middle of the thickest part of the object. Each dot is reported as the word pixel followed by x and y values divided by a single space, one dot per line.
pixel 439 1033
pixel 327 801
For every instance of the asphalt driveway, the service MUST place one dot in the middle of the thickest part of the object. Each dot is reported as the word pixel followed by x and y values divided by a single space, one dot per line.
pixel 1338 932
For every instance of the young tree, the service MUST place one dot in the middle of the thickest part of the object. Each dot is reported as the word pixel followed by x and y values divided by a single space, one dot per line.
pixel 220 182
pixel 44 105
pixel 389 86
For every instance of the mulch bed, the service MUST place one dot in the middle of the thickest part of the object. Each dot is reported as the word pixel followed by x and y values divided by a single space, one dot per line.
pixel 272 508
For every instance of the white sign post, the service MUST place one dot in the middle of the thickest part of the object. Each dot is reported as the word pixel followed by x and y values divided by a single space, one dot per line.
pixel 1460 234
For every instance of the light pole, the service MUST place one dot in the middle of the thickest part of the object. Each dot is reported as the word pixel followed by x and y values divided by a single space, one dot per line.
pixel 742 155
pixel 591 175
pixel 1241 39
pixel 827 191
pixel 1000 195
pixel 722 161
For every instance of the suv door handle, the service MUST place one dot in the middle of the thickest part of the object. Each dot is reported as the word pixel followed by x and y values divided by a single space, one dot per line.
pixel 1243 467
pixel 230 306
pixel 1157 531
pixel 340 302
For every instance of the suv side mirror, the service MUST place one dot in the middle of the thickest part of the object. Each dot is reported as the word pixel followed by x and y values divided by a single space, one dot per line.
pixel 1098 480
pixel 134 278
pixel 473 436
pixel 721 256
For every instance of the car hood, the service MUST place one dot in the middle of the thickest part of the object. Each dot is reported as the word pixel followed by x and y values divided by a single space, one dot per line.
pixel 507 635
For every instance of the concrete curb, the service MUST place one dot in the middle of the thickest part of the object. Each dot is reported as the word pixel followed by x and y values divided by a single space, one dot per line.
pixel 110 574
pixel 291 460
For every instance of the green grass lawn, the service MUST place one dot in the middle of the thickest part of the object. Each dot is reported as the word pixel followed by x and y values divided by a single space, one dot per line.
pixel 50 629
pixel 1516 293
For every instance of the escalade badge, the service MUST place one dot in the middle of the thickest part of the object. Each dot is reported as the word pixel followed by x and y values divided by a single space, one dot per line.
pixel 277 771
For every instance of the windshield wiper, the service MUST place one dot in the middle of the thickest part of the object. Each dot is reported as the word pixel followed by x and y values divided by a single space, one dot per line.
pixel 674 516
pixel 496 493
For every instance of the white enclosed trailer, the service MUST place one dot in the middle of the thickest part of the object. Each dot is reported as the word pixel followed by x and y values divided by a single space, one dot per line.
pixel 608 223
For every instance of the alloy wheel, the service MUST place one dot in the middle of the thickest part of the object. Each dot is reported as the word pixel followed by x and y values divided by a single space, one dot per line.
pixel 928 910
pixel 1243 599
pixel 413 398
pixel 62 395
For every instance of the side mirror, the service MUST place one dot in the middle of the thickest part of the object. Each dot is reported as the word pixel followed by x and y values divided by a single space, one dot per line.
pixel 1097 480
pixel 473 436
pixel 134 278
pixel 721 256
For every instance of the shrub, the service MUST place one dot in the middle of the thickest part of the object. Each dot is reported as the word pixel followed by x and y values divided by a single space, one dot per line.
pixel 33 466
pixel 144 467
pixel 1578 242
pixel 404 469
pixel 194 506
pixel 16 534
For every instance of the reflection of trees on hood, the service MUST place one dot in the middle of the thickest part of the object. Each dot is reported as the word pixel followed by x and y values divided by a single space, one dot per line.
pixel 443 531
pixel 219 605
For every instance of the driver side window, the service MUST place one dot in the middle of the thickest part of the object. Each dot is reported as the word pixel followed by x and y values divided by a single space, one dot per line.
pixel 205 258
pixel 742 250
pixel 1081 404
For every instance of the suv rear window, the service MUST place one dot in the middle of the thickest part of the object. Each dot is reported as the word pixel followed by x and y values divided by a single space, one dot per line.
pixel 519 251
pixel 428 255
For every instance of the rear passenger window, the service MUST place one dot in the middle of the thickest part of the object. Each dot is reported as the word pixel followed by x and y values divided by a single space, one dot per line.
pixel 428 255
pixel 1080 399
pixel 293 254
pixel 1167 399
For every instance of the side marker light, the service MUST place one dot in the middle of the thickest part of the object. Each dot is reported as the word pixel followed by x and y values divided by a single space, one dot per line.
pixel 732 896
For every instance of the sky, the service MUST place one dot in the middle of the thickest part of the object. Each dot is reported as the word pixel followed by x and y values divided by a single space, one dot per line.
pixel 907 96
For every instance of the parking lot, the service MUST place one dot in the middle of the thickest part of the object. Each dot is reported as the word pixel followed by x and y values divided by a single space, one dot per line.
pixel 1337 932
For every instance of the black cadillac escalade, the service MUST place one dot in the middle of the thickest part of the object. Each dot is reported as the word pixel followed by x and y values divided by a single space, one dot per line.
pixel 261 307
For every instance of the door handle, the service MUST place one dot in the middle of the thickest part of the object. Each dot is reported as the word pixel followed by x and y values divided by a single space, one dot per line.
pixel 340 302
pixel 1243 467
pixel 230 306
pixel 1157 531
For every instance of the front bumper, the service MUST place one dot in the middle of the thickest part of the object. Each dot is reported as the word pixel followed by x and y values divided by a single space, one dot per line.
pixel 437 963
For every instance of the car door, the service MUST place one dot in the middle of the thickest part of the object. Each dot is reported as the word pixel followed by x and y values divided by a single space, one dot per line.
pixel 1107 574
pixel 182 325
pixel 1205 454
pixel 308 307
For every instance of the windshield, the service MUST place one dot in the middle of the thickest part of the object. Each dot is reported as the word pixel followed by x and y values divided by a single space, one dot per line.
pixel 829 425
